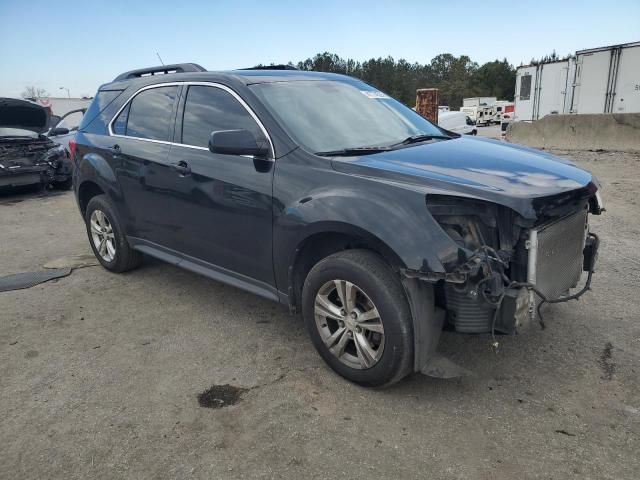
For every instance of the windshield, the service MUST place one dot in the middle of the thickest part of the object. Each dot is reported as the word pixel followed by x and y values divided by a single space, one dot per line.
pixel 330 115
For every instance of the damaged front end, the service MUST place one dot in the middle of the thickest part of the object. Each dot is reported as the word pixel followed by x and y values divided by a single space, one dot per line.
pixel 502 267
pixel 26 155
pixel 506 265
pixel 26 161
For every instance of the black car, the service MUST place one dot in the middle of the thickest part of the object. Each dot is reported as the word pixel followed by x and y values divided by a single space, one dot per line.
pixel 27 157
pixel 319 191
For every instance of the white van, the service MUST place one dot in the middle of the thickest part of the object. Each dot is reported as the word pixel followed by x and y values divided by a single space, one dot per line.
pixel 458 122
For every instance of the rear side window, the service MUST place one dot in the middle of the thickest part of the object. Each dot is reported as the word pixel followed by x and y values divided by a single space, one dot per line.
pixel 148 115
pixel 101 101
pixel 209 109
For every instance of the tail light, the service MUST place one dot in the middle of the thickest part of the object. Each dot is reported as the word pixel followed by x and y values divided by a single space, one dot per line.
pixel 72 149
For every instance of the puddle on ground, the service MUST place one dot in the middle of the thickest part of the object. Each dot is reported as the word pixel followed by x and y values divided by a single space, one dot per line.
pixel 219 396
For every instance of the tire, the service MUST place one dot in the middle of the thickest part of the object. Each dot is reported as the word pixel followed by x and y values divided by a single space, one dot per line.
pixel 121 257
pixel 377 288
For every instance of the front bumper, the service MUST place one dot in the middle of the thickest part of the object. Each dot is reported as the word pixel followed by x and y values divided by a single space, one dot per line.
pixel 17 177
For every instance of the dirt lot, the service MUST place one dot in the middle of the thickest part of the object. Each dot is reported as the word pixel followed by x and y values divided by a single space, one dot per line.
pixel 100 374
pixel 492 131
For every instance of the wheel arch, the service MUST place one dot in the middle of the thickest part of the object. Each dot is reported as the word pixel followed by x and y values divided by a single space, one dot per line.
pixel 325 240
pixel 86 191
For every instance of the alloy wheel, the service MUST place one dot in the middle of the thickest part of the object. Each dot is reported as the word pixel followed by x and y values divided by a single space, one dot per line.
pixel 102 235
pixel 349 324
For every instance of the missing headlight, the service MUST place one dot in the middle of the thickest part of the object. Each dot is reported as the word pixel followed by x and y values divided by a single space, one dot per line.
pixel 487 234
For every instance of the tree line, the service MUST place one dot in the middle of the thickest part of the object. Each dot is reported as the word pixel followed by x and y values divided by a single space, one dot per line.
pixel 455 77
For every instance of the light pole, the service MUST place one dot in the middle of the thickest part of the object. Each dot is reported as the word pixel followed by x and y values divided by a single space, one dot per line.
pixel 65 88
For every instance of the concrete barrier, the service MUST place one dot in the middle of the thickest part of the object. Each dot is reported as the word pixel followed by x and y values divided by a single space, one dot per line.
pixel 618 131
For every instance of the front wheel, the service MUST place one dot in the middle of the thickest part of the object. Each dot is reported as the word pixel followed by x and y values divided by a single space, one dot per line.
pixel 357 314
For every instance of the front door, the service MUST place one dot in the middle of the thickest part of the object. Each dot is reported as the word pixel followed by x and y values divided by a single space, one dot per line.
pixel 225 212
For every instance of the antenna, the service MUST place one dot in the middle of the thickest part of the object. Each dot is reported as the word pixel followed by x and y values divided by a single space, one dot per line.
pixel 160 58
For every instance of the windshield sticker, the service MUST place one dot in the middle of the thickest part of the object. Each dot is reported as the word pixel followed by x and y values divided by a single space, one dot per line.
pixel 374 94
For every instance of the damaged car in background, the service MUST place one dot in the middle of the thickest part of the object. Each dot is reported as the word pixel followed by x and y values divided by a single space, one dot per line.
pixel 27 156
pixel 319 191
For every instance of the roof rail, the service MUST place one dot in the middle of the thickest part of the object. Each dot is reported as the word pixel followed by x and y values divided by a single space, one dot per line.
pixel 160 70
pixel 271 67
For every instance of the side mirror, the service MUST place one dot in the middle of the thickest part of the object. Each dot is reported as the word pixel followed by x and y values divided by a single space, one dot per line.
pixel 237 142
pixel 58 131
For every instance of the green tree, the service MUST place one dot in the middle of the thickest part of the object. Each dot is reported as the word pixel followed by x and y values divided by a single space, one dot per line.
pixel 455 77
pixel 494 79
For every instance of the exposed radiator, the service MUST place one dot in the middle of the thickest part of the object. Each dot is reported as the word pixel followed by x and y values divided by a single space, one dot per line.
pixel 555 254
pixel 469 314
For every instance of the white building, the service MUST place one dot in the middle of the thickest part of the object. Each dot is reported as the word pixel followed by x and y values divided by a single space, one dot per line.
pixel 61 105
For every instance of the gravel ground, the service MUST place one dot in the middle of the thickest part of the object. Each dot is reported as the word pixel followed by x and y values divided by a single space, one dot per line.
pixel 491 131
pixel 106 376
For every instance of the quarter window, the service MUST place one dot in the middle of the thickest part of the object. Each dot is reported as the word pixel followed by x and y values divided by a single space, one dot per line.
pixel 148 115
pixel 209 109
pixel 119 126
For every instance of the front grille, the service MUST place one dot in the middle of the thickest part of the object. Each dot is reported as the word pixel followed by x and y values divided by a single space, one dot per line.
pixel 555 254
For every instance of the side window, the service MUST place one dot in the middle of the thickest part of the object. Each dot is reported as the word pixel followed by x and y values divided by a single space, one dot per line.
pixel 148 115
pixel 209 109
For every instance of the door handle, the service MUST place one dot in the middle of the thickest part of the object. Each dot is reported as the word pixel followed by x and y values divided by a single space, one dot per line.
pixel 182 168
pixel 115 149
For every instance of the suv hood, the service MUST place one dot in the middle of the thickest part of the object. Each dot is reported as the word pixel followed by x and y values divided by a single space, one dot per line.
pixel 23 114
pixel 504 173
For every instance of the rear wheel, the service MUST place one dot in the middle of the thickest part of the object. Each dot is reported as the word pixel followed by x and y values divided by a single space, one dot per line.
pixel 106 237
pixel 358 317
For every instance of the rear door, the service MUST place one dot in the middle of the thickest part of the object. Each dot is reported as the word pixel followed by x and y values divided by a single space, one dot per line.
pixel 141 133
pixel 225 209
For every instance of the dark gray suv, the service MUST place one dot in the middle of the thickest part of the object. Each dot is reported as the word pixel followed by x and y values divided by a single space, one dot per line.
pixel 320 192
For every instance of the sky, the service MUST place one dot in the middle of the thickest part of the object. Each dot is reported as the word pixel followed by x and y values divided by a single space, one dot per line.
pixel 80 45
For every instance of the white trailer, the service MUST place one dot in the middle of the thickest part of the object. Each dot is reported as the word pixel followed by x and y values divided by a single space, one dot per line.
pixel 485 115
pixel 607 80
pixel 543 89
pixel 478 101
pixel 502 107
pixel 598 80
